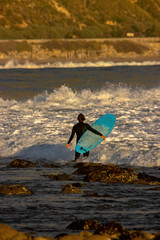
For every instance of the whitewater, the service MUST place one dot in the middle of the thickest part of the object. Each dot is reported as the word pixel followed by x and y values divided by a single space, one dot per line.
pixel 39 105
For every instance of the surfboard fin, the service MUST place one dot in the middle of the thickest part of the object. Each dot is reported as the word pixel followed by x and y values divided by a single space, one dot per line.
pixel 83 149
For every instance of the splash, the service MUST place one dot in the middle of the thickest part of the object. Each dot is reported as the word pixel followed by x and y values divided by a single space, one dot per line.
pixel 39 128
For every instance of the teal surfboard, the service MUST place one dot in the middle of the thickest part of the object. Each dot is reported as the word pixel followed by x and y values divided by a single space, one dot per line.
pixel 89 140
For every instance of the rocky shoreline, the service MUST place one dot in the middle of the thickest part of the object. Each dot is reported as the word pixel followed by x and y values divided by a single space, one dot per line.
pixel 109 231
pixel 80 50
pixel 90 172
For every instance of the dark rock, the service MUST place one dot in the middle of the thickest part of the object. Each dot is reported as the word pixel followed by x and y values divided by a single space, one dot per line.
pixel 111 173
pixel 84 168
pixel 59 177
pixel 155 189
pixel 157 236
pixel 16 189
pixel 19 163
pixel 145 179
pixel 71 189
pixel 125 236
pixel 84 225
pixel 8 233
pixel 78 184
pixel 140 235
pixel 112 228
pixel 59 236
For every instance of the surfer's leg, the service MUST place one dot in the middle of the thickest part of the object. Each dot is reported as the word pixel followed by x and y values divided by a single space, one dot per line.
pixel 77 155
pixel 86 154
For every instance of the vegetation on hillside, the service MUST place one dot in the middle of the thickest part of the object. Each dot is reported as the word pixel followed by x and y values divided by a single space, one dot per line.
pixel 78 19
pixel 12 46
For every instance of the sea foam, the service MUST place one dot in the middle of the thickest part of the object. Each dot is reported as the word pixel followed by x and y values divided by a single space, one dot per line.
pixel 39 127
pixel 12 64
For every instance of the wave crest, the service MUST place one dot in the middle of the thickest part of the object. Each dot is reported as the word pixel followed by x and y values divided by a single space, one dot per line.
pixel 12 64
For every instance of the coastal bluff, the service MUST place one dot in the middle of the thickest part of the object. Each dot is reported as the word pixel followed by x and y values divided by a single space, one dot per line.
pixel 80 50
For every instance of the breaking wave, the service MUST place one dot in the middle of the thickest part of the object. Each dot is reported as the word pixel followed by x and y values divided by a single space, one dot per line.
pixel 12 64
pixel 39 128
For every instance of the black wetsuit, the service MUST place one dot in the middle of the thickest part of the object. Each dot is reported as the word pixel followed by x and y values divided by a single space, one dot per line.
pixel 79 129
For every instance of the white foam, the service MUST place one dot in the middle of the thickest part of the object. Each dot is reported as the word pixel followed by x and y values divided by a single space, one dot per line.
pixel 40 127
pixel 12 64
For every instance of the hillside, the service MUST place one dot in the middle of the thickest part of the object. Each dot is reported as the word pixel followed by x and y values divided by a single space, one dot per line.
pixel 45 19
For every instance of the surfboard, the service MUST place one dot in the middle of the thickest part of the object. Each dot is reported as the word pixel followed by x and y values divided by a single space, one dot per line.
pixel 90 140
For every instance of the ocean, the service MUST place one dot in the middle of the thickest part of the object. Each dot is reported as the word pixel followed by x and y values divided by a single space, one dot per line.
pixel 39 105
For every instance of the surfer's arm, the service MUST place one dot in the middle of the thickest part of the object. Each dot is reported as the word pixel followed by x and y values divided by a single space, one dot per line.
pixel 95 131
pixel 71 137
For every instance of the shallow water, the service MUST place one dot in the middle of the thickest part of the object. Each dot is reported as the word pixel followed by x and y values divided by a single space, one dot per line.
pixel 48 212
pixel 38 107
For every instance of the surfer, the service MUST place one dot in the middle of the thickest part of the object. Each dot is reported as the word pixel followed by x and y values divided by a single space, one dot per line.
pixel 79 129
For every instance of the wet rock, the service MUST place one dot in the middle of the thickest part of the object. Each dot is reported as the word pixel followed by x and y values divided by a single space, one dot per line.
pixel 78 184
pixel 8 233
pixel 113 229
pixel 16 189
pixel 116 232
pixel 157 236
pixel 59 177
pixel 84 225
pixel 59 236
pixel 69 188
pixel 146 179
pixel 111 173
pixel 84 168
pixel 85 235
pixel 155 189
pixel 140 235
pixel 19 163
